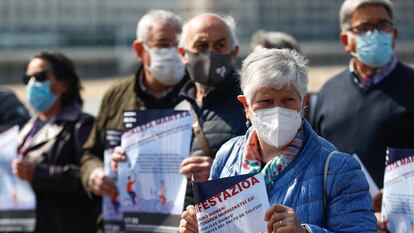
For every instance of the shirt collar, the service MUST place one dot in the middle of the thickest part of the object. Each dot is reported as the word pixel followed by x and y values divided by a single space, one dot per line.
pixel 376 77
pixel 146 90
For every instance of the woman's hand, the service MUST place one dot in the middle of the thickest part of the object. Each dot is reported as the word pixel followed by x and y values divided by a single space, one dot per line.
pixel 188 223
pixel 283 219
pixel 23 169
pixel 117 156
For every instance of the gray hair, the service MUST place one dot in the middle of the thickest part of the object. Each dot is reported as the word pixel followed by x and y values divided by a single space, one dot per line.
pixel 349 6
pixel 274 40
pixel 147 21
pixel 230 22
pixel 273 68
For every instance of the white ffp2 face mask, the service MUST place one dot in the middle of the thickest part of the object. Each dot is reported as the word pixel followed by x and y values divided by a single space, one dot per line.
pixel 166 65
pixel 276 126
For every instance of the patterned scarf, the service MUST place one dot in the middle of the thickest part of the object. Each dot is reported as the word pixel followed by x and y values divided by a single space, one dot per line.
pixel 252 161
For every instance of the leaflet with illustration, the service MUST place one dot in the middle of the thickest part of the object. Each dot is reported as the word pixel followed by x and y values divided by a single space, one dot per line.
pixel 17 200
pixel 231 205
pixel 398 197
pixel 152 191
pixel 111 206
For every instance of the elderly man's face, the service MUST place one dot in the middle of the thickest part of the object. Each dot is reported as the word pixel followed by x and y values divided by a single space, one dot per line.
pixel 369 14
pixel 208 32
pixel 162 35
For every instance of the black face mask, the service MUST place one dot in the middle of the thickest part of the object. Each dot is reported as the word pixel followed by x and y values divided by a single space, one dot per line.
pixel 209 68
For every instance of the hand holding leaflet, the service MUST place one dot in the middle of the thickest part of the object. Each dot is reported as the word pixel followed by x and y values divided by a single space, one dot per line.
pixel 234 204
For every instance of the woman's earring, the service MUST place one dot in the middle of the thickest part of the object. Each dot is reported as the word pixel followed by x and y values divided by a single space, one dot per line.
pixel 248 123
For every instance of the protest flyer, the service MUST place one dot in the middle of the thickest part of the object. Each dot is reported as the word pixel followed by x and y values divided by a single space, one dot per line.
pixel 17 200
pixel 234 204
pixel 111 206
pixel 151 189
pixel 398 196
pixel 373 187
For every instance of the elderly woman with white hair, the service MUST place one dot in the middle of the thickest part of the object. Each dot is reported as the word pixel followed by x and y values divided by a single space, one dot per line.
pixel 290 155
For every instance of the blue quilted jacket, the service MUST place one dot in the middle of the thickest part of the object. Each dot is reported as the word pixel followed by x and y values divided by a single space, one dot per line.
pixel 300 185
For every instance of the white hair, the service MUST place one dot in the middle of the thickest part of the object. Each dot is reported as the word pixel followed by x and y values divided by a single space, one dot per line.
pixel 147 21
pixel 230 22
pixel 273 68
pixel 349 6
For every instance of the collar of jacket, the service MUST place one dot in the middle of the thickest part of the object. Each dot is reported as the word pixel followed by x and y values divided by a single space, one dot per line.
pixel 69 113
pixel 228 87
pixel 143 94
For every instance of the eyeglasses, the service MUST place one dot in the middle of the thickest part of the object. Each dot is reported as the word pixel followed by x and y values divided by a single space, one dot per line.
pixel 384 26
pixel 40 76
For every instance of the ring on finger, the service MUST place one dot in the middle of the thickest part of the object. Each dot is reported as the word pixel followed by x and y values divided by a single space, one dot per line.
pixel 281 223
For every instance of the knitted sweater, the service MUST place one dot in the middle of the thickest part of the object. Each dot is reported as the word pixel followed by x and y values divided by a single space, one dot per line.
pixel 365 122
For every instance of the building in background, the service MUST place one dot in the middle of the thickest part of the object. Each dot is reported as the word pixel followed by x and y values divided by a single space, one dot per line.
pixel 97 34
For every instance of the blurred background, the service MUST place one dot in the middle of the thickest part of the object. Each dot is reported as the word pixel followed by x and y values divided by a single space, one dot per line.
pixel 97 34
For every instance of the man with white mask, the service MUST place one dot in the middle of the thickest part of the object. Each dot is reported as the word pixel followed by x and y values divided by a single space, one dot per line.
pixel 209 49
pixel 156 85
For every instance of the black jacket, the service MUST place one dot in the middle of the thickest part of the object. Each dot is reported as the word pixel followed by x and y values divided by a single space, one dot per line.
pixel 221 117
pixel 62 205
pixel 365 122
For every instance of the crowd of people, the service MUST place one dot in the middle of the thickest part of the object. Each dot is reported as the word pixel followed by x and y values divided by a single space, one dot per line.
pixel 255 120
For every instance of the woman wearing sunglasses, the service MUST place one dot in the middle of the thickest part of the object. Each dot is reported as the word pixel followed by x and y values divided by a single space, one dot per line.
pixel 50 146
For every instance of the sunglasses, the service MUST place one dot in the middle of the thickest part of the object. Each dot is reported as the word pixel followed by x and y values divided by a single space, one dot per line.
pixel 40 76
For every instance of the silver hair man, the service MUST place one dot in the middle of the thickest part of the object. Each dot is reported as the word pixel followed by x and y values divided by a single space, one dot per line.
pixel 274 68
pixel 146 23
pixel 230 22
pixel 273 40
pixel 349 6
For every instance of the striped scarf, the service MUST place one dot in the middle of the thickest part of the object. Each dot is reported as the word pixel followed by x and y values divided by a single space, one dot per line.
pixel 252 161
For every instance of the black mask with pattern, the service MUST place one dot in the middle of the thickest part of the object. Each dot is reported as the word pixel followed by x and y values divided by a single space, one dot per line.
pixel 209 68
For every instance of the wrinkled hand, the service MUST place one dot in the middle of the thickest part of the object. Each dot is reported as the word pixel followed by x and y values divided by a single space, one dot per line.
pixel 99 184
pixel 117 156
pixel 23 169
pixel 283 219
pixel 198 166
pixel 188 222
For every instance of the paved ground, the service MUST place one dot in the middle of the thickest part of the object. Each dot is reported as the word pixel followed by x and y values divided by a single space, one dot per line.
pixel 93 90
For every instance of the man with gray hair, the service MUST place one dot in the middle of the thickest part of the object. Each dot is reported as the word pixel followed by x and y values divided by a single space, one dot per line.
pixel 369 106
pixel 273 40
pixel 156 85
pixel 209 48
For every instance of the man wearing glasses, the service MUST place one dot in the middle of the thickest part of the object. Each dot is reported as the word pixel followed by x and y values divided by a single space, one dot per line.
pixel 370 105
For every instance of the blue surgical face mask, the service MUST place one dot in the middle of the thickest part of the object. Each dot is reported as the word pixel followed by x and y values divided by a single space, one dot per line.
pixel 374 48
pixel 39 95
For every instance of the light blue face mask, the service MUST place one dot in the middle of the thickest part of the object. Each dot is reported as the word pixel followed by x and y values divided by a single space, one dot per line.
pixel 39 95
pixel 374 48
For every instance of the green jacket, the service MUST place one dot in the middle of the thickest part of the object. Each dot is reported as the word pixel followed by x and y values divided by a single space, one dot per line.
pixel 124 94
